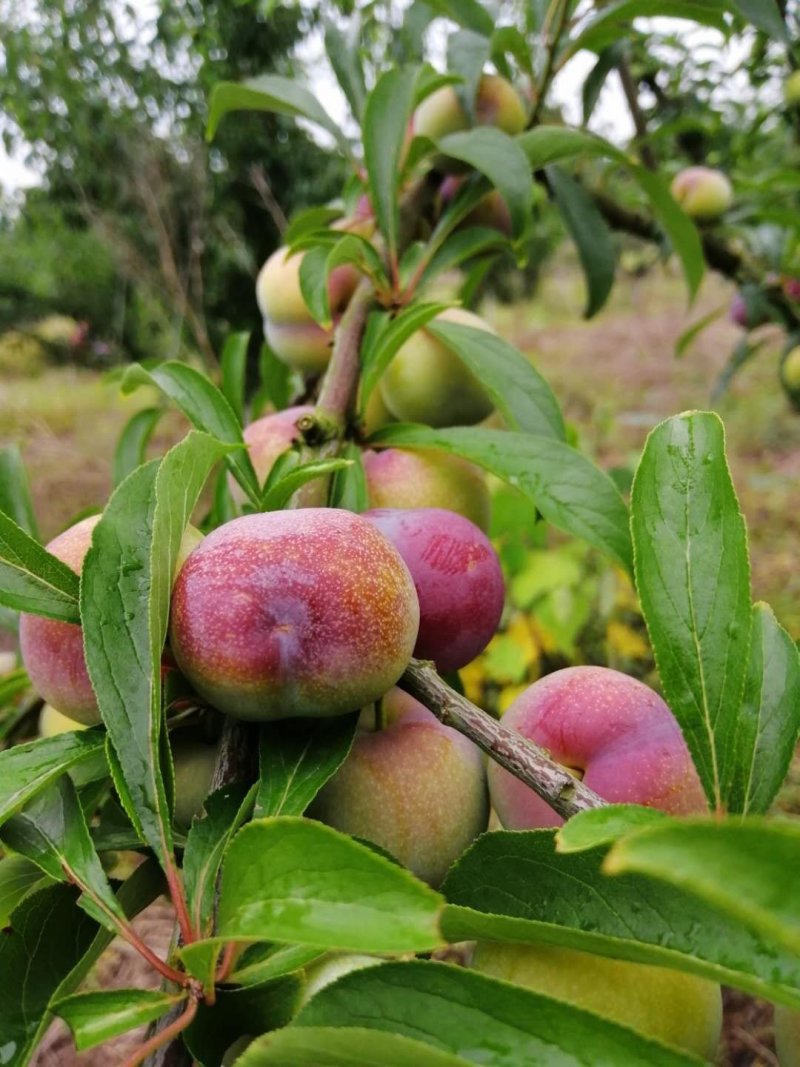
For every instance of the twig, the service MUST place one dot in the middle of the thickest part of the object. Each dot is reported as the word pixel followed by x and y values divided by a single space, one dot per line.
pixel 552 30
pixel 525 760
pixel 259 179
pixel 166 1037
pixel 631 91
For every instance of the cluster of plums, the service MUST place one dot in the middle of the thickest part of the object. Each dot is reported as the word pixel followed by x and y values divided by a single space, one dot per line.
pixel 317 612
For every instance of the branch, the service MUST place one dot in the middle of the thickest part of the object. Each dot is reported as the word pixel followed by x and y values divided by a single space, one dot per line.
pixel 525 760
pixel 630 89
pixel 552 30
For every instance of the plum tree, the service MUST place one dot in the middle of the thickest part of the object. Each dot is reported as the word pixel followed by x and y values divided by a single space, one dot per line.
pixel 194 760
pixel 52 651
pixel 787 1036
pixel 497 103
pixel 412 785
pixel 458 579
pixel 289 329
pixel 308 612
pixel 678 1009
pixel 611 730
pixel 427 479
pixel 703 193
pixel 427 382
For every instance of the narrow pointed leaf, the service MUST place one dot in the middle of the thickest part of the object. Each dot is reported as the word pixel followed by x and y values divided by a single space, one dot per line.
pixel 514 886
pixel 97 1017
pixel 26 769
pixel 205 407
pixel 19 878
pixel 291 879
pixel 676 224
pixel 567 488
pixel 604 826
pixel 33 580
pixel 492 1023
pixel 693 579
pixel 765 15
pixel 15 491
pixel 516 387
pixel 332 1046
pixel 132 445
pixel 280 493
pixel 345 59
pixel 384 340
pixel 297 757
pixel 746 870
pixel 233 365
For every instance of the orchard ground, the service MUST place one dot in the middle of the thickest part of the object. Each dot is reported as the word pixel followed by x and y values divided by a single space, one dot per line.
pixel 616 377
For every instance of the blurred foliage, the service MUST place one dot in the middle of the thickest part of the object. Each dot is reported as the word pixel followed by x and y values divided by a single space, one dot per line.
pixel 565 605
pixel 138 227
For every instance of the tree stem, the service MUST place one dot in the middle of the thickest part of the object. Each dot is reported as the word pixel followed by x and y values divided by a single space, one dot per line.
pixel 565 794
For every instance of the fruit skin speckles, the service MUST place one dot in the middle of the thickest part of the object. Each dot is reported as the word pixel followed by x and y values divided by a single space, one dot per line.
pixel 308 612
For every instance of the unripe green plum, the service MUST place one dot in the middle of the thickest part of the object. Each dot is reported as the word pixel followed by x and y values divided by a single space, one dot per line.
pixel 427 382
pixel 458 579
pixel 791 89
pixel 194 761
pixel 703 193
pixel 287 613
pixel 425 478
pixel 790 374
pixel 675 1008
pixel 289 329
pixel 376 413
pixel 52 722
pixel 415 788
pixel 787 1036
pixel 616 733
pixel 497 103
pixel 52 651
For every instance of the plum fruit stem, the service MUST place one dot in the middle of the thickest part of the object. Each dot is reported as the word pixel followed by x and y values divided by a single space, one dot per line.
pixel 565 794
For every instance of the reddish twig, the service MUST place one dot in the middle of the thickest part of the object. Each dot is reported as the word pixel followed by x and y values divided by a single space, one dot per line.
pixel 175 1029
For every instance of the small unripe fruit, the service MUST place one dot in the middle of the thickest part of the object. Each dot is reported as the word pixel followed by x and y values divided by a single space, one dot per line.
pixel 427 479
pixel 193 761
pixel 613 731
pixel 427 382
pixel 497 103
pixel 52 651
pixel 790 375
pixel 458 579
pixel 791 89
pixel 787 1034
pixel 52 722
pixel 289 329
pixel 674 1008
pixel 308 612
pixel 416 788
pixel 703 193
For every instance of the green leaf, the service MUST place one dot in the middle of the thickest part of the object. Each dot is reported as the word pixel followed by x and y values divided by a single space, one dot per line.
pixel 270 92
pixel 276 381
pixel 27 769
pixel 125 593
pixel 768 723
pixel 611 23
pixel 349 484
pixel 260 963
pixel 97 1017
pixel 764 15
pixel 692 332
pixel 253 1010
pixel 567 488
pixel 332 1046
pixel 460 247
pixel 693 580
pixel 15 492
pixel 31 579
pixel 233 365
pixel 343 53
pixel 746 870
pixel 47 939
pixel 309 221
pixel 489 1022
pixel 603 826
pixel 502 160
pixel 132 444
pixel 290 879
pixel 19 878
pixel 51 832
pixel 226 811
pixel 384 338
pixel 596 78
pixel 514 886
pixel 278 495
pixel 470 14
pixel 590 234
pixel 386 115
pixel 467 55
pixel 205 407
pixel 553 144
pixel 676 224
pixel 297 758
pixel 517 389
pixel 743 352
